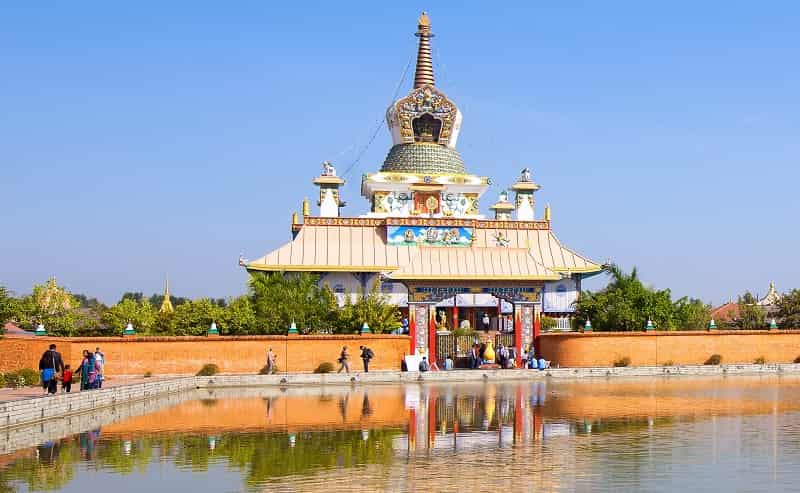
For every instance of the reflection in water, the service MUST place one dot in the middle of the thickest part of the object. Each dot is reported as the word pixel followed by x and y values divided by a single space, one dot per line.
pixel 608 435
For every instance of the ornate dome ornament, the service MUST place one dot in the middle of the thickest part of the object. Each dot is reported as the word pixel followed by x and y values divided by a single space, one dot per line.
pixel 425 116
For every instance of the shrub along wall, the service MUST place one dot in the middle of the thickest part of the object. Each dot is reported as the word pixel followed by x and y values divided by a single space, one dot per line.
pixel 658 348
pixel 135 356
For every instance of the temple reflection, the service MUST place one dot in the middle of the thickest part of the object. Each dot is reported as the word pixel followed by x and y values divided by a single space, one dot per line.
pixel 532 428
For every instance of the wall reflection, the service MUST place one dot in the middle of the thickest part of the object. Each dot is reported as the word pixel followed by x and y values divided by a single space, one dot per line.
pixel 269 434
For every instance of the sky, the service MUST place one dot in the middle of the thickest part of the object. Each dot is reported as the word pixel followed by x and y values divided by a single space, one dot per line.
pixel 154 139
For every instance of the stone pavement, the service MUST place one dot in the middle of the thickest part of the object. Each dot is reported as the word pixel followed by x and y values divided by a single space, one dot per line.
pixel 11 394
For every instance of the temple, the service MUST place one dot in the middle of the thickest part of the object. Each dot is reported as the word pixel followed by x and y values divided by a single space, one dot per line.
pixel 424 242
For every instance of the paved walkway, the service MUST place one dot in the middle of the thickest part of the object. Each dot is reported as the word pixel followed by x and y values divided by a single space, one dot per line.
pixel 9 394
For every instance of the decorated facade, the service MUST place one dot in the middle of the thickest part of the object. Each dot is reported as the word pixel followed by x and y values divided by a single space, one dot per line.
pixel 424 243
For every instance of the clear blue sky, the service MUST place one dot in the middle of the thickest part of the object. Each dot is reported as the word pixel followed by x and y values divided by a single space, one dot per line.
pixel 152 138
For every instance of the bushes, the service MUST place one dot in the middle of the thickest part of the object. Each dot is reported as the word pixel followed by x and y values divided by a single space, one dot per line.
pixel 325 367
pixel 623 361
pixel 208 370
pixel 265 370
pixel 148 374
pixel 20 378
pixel 714 359
pixel 797 359
pixel 669 363
pixel 760 360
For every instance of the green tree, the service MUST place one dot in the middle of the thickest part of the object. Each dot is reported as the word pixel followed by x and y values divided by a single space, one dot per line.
pixel 53 306
pixel 751 316
pixel 626 304
pixel 789 309
pixel 692 314
pixel 9 307
pixel 136 296
pixel 194 318
pixel 278 300
pixel 141 314
pixel 239 317
pixel 372 308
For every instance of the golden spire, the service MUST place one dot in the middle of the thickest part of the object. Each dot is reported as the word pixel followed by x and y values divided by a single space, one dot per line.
pixel 166 305
pixel 306 208
pixel 547 212
pixel 424 73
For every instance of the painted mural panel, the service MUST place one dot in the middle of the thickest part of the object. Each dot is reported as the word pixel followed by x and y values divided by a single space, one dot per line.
pixel 438 293
pixel 560 296
pixel 449 236
pixel 527 324
pixel 421 319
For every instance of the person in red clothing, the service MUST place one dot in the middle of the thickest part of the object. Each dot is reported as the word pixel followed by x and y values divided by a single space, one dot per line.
pixel 66 380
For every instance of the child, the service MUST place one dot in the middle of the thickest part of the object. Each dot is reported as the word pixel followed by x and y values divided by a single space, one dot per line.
pixel 66 380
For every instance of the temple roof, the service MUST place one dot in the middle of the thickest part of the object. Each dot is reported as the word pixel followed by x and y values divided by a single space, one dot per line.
pixel 480 264
pixel 499 250
pixel 423 158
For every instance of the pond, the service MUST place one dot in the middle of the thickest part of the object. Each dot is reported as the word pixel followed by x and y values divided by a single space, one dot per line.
pixel 654 434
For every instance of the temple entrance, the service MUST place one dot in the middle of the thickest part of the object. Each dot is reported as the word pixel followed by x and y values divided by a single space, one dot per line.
pixel 442 315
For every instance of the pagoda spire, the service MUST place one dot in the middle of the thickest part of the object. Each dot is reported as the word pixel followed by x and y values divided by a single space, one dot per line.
pixel 424 73
pixel 166 305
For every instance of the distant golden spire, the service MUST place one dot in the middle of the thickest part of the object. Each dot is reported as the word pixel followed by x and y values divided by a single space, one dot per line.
pixel 424 73
pixel 166 305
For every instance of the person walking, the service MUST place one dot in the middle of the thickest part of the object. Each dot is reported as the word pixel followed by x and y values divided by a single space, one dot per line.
pixel 88 370
pixel 270 362
pixel 486 322
pixel 50 365
pixel 366 356
pixel 100 365
pixel 423 365
pixel 344 364
pixel 66 380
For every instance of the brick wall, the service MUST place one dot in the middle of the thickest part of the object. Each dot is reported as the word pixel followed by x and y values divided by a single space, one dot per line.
pixel 186 355
pixel 657 348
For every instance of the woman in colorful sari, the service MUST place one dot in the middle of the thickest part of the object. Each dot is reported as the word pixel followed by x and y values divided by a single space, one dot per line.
pixel 88 370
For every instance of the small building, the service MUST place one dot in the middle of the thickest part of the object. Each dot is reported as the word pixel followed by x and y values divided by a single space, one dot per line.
pixel 424 242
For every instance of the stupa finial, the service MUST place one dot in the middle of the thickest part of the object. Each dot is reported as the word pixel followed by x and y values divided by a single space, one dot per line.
pixel 166 305
pixel 424 73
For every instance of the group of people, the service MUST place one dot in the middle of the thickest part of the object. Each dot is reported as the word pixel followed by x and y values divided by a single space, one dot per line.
pixel 53 370
pixel 344 358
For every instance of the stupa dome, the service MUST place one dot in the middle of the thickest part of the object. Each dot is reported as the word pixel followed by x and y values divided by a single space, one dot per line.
pixel 425 123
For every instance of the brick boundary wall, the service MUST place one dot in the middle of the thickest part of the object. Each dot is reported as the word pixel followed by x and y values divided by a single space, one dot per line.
pixel 601 349
pixel 134 355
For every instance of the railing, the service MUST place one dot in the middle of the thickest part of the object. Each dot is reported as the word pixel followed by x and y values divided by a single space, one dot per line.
pixel 505 339
pixel 456 346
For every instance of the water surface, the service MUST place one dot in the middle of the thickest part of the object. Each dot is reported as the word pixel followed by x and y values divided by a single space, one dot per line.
pixel 662 434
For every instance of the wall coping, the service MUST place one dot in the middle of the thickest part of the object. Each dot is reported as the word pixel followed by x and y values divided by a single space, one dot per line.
pixel 136 338
pixel 665 333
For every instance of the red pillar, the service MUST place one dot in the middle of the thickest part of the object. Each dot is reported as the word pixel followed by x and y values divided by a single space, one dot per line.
pixel 518 333
pixel 455 316
pixel 537 328
pixel 412 328
pixel 432 333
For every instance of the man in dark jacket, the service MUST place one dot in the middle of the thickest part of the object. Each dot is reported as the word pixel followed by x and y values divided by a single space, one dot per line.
pixel 366 355
pixel 50 365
